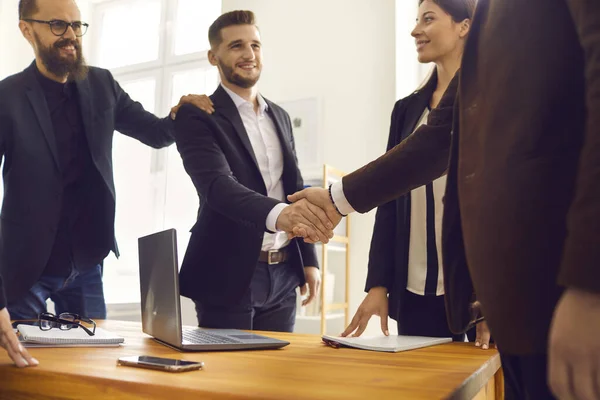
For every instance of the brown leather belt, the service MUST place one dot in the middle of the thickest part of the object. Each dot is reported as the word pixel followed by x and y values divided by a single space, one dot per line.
pixel 273 257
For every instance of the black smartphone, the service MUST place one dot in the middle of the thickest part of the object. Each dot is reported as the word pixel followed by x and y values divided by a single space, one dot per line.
pixel 159 363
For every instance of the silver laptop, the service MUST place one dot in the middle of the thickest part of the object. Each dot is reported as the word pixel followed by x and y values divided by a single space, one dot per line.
pixel 161 308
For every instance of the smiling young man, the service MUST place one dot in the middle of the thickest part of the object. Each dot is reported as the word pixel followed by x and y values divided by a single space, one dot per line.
pixel 240 268
pixel 57 120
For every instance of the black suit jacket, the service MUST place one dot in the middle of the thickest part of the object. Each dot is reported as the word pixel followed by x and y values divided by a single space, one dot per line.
pixel 226 240
pixel 388 257
pixel 32 177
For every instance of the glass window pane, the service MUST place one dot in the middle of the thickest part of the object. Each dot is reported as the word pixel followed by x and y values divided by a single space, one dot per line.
pixel 193 19
pixel 129 33
pixel 142 90
pixel 181 202
pixel 195 81
pixel 137 202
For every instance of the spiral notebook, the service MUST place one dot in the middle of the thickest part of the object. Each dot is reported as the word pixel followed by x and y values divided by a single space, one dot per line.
pixel 33 336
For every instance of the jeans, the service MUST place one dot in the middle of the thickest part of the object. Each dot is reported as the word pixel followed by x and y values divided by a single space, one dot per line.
pixel 81 293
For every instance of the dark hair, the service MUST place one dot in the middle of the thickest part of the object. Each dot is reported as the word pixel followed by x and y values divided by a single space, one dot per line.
pixel 238 17
pixel 27 8
pixel 459 10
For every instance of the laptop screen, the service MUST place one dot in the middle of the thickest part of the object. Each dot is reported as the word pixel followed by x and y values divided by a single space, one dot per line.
pixel 159 286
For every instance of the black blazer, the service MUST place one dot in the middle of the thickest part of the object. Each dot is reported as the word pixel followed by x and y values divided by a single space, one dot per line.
pixel 226 240
pixel 32 177
pixel 388 257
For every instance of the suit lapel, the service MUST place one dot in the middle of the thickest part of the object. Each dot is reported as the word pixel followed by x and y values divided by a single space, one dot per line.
pixel 280 125
pixel 416 107
pixel 38 103
pixel 85 104
pixel 226 107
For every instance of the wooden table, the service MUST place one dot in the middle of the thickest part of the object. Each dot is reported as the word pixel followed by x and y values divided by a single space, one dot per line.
pixel 306 369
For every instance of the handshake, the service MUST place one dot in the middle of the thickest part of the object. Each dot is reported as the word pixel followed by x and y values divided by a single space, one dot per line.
pixel 312 216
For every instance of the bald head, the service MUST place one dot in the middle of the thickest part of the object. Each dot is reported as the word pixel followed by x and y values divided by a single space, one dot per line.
pixel 27 8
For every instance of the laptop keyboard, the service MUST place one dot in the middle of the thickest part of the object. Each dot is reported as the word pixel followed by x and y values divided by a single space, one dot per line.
pixel 198 336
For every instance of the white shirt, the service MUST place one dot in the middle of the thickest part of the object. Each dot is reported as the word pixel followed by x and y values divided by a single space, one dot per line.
pixel 417 253
pixel 265 143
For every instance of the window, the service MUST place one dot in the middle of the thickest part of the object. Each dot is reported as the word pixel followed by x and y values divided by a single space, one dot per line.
pixel 126 40
pixel 193 19
pixel 157 51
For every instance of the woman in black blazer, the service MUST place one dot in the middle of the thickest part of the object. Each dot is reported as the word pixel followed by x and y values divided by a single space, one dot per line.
pixel 405 273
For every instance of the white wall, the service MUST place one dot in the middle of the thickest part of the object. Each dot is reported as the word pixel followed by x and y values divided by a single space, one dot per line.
pixel 16 52
pixel 407 68
pixel 410 74
pixel 343 53
pixel 340 51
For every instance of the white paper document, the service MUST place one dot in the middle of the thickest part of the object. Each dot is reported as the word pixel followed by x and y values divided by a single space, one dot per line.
pixel 392 343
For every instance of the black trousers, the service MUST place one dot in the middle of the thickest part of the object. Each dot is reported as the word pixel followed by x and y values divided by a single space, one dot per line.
pixel 269 303
pixel 426 316
pixel 525 377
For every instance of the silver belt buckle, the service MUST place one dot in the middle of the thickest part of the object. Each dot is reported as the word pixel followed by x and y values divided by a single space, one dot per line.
pixel 270 257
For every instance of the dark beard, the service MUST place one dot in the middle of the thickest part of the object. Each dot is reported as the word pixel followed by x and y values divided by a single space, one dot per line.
pixel 75 69
pixel 236 79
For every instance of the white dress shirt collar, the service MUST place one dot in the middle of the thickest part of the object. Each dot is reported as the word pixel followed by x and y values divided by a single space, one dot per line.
pixel 239 101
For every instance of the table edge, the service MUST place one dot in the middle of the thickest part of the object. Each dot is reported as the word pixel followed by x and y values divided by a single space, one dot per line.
pixel 477 381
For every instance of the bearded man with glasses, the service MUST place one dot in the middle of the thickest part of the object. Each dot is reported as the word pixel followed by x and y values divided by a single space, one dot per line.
pixel 57 119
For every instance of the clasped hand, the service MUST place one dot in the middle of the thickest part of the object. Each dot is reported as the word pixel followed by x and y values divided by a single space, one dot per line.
pixel 311 216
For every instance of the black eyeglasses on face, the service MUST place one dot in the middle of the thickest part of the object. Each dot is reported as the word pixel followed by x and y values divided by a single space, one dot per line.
pixel 59 27
pixel 65 321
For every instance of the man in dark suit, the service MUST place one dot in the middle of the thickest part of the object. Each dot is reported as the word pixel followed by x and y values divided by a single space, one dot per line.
pixel 522 206
pixel 57 119
pixel 240 268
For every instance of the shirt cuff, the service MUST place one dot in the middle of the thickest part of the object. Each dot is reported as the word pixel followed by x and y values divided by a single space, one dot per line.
pixel 339 198
pixel 273 216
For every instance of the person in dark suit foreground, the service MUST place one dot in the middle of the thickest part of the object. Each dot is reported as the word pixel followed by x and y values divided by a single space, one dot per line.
pixel 240 268
pixel 522 204
pixel 57 119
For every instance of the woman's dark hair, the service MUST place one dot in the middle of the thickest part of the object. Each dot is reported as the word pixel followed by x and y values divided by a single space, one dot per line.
pixel 459 10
